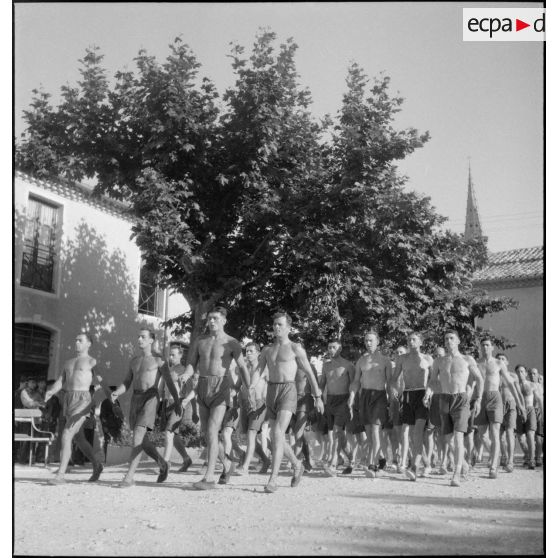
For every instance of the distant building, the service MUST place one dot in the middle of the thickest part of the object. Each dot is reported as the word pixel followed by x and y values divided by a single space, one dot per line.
pixel 76 269
pixel 518 274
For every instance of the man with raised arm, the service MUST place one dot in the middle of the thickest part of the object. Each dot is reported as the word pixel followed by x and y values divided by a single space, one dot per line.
pixel 210 359
pixel 144 375
pixel 452 371
pixel 491 412
pixel 414 367
pixel 372 376
pixel 282 358
pixel 76 378
pixel 337 376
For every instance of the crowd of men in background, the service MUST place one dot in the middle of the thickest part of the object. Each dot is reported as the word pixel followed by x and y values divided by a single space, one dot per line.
pixel 414 414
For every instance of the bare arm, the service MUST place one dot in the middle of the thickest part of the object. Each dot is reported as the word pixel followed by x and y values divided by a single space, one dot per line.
pixel 510 383
pixel 193 357
pixel 388 371
pixel 57 386
pixel 304 364
pixel 432 382
pixel 355 385
pixel 123 387
pixel 398 370
pixel 241 365
pixel 479 381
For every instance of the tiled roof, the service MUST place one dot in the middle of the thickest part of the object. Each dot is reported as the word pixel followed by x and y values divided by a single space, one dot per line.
pixel 512 265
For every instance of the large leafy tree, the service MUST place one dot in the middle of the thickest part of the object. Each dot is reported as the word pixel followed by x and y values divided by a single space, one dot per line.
pixel 250 201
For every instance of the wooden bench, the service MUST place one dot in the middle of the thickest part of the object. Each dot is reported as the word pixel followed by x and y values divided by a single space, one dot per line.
pixel 35 436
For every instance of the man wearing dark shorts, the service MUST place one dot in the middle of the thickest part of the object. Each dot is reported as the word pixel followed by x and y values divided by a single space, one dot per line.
pixel 413 367
pixel 452 372
pixel 527 423
pixel 282 359
pixel 509 421
pixel 372 377
pixel 210 358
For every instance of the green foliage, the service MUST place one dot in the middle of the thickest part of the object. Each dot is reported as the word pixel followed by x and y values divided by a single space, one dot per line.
pixel 250 201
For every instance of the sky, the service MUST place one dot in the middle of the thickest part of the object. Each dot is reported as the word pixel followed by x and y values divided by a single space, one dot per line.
pixel 482 102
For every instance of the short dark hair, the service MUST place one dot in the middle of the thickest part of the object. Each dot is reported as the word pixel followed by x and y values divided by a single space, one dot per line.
pixel 252 344
pixel 486 338
pixel 498 355
pixel 453 331
pixel 417 333
pixel 335 340
pixel 372 331
pixel 150 331
pixel 283 314
pixel 518 366
pixel 87 335
pixel 178 348
pixel 218 310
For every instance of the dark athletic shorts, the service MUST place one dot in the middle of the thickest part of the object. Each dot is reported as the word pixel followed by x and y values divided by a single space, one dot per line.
pixel 77 405
pixel 510 414
pixel 213 391
pixel 454 411
pixel 492 409
pixel 305 412
pixel 373 406
pixel 143 408
pixel 540 422
pixel 412 408
pixel 231 418
pixel 355 426
pixel 524 425
pixel 336 410
pixel 170 421
pixel 281 396
pixel 253 420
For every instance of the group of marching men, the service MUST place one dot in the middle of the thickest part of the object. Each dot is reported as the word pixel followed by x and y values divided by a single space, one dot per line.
pixel 411 414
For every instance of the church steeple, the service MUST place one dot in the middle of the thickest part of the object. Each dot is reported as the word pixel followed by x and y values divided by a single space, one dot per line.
pixel 473 227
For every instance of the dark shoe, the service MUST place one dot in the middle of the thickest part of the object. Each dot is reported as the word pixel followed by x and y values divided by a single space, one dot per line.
pixel 163 472
pixel 97 470
pixel 538 463
pixel 187 463
pixel 532 465
pixel 382 463
pixel 266 465
pixel 204 485
pixel 270 488
pixel 348 470
pixel 225 476
pixel 307 465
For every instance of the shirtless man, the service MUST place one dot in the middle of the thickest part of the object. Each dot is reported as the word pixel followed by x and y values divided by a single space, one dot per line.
pixel 77 375
pixel 144 374
pixel 283 358
pixel 535 378
pixel 253 421
pixel 491 413
pixel 372 376
pixel 452 371
pixel 337 376
pixel 527 425
pixel 210 357
pixel 172 420
pixel 414 367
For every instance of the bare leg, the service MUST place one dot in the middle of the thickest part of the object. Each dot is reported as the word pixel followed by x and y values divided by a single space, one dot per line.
pixel 458 456
pixel 169 442
pixel 135 457
pixel 404 445
pixel 250 448
pixel 214 423
pixel 495 446
pixel 178 443
pixel 66 445
pixel 278 429
pixel 418 434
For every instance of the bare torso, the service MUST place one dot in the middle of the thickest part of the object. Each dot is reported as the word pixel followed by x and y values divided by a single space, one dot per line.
pixel 260 389
pixel 415 367
pixel 490 370
pixel 145 371
pixel 79 373
pixel 453 372
pixel 215 354
pixel 281 362
pixel 373 370
pixel 527 391
pixel 337 375
pixel 507 394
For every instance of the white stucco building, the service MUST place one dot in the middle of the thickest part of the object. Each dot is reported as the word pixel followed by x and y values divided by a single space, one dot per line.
pixel 76 269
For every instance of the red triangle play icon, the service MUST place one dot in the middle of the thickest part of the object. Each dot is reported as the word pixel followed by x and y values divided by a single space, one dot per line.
pixel 519 25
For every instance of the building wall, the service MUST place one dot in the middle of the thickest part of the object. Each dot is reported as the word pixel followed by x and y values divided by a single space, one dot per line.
pixel 96 283
pixel 522 325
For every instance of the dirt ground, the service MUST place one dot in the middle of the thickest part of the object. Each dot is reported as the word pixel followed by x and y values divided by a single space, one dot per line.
pixel 346 515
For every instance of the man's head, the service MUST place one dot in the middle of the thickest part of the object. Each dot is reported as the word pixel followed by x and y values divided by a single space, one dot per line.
pixel 281 324
pixel 252 352
pixel 371 340
pixel 217 318
pixel 534 375
pixel 333 347
pixel 502 358
pixel 486 347
pixel 31 383
pixel 83 342
pixel 41 384
pixel 414 340
pixel 146 338
pixel 451 340
pixel 521 371
pixel 175 355
pixel 400 351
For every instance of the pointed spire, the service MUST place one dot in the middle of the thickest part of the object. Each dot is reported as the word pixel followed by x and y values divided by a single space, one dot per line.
pixel 473 227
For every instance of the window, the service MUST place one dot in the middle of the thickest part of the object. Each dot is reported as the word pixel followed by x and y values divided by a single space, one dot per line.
pixel 150 297
pixel 39 243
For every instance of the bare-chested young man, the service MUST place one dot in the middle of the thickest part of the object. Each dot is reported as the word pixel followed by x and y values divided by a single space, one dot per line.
pixel 491 414
pixel 144 374
pixel 171 419
pixel 527 424
pixel 372 377
pixel 253 421
pixel 282 358
pixel 413 367
pixel 210 358
pixel 76 378
pixel 337 376
pixel 535 378
pixel 452 371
